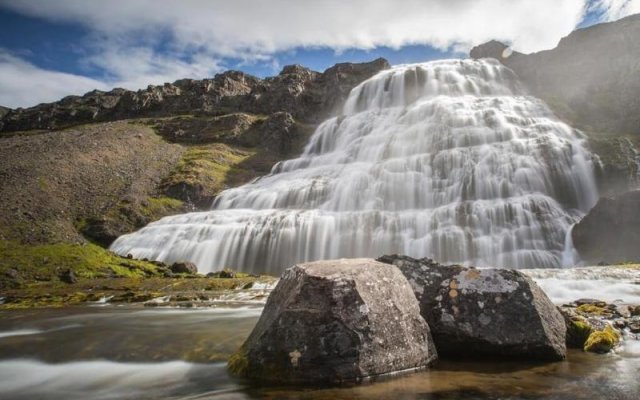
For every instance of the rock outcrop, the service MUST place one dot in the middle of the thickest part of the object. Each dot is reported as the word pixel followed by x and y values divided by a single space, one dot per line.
pixel 610 232
pixel 336 321
pixel 307 95
pixel 590 78
pixel 484 312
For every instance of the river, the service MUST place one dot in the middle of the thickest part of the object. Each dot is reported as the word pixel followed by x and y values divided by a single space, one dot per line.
pixel 133 352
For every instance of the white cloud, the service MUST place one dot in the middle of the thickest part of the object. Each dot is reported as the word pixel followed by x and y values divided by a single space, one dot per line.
pixel 246 28
pixel 616 9
pixel 23 84
pixel 195 35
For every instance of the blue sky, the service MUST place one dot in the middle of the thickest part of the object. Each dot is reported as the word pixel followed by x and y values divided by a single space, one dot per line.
pixel 49 49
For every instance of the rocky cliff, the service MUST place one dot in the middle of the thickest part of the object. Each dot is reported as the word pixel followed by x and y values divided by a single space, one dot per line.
pixel 610 233
pixel 307 95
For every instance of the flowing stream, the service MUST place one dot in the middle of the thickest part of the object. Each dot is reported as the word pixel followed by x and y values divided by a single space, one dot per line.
pixel 447 159
pixel 128 352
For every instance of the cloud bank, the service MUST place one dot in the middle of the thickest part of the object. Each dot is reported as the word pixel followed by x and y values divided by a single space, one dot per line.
pixel 138 42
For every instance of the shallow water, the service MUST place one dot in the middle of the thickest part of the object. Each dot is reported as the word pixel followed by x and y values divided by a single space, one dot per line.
pixel 135 353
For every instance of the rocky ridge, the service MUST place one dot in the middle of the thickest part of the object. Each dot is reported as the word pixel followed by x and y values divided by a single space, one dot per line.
pixel 307 95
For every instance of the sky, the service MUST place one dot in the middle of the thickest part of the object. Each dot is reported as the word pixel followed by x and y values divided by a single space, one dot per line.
pixel 53 48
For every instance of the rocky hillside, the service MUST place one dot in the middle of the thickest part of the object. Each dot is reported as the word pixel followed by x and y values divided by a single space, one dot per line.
pixel 90 168
pixel 591 80
pixel 307 95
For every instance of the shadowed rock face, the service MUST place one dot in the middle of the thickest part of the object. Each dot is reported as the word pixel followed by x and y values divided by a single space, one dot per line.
pixel 484 312
pixel 590 78
pixel 336 321
pixel 610 232
pixel 307 95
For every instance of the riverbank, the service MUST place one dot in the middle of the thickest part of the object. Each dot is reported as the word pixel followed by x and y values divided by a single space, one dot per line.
pixel 180 291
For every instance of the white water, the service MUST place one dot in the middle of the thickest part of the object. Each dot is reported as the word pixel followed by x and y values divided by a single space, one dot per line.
pixel 448 159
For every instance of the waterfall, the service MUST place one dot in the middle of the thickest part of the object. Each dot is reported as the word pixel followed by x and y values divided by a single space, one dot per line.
pixel 449 159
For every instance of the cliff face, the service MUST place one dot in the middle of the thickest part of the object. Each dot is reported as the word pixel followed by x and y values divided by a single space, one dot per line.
pixel 592 78
pixel 307 95
pixel 611 230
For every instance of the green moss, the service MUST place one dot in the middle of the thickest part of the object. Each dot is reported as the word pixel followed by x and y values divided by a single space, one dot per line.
pixel 592 309
pixel 46 262
pixel 160 206
pixel 578 331
pixel 602 341
pixel 207 167
pixel 238 363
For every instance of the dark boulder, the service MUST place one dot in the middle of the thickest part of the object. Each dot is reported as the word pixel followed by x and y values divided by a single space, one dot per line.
pixel 484 312
pixel 610 230
pixel 68 276
pixel 336 321
pixel 184 267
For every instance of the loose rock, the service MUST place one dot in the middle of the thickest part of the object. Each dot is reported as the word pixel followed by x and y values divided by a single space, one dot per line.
pixel 336 321
pixel 484 312
pixel 184 267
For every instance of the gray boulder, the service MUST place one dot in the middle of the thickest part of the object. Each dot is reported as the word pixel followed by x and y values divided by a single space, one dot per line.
pixel 484 312
pixel 336 321
pixel 184 267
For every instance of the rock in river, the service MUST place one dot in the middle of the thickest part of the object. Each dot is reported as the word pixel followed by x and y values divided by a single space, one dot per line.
pixel 336 321
pixel 484 312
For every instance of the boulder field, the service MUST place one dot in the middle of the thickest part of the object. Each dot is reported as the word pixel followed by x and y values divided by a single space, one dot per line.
pixel 337 321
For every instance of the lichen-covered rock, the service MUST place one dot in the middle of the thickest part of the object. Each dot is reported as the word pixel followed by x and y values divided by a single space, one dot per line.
pixel 336 321
pixel 484 312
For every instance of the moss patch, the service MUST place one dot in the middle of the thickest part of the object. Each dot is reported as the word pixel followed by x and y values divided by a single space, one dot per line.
pixel 602 341
pixel 238 363
pixel 592 309
pixel 578 331
pixel 24 263
pixel 203 172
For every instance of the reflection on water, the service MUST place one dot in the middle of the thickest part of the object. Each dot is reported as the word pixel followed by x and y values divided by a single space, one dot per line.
pixel 135 353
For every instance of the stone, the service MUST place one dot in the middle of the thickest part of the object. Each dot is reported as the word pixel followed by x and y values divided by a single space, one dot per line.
pixel 227 274
pixel 484 312
pixel 602 341
pixel 610 229
pixel 184 267
pixel 68 276
pixel 329 322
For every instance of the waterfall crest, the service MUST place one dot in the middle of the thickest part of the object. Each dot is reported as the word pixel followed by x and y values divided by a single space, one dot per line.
pixel 448 159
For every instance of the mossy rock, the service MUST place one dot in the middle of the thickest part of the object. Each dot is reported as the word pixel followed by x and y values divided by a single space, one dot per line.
pixel 578 331
pixel 593 309
pixel 238 363
pixel 602 341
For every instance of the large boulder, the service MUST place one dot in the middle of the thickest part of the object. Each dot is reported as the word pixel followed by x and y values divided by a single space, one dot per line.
pixel 484 312
pixel 336 321
pixel 609 232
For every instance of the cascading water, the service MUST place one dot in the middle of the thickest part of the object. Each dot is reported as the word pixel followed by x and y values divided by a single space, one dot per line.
pixel 448 159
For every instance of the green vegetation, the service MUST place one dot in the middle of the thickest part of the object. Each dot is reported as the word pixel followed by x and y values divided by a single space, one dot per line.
pixel 207 167
pixel 602 341
pixel 238 363
pixel 46 262
pixel 578 331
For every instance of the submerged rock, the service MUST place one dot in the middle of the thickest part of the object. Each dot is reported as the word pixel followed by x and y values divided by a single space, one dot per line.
pixel 336 321
pixel 484 312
